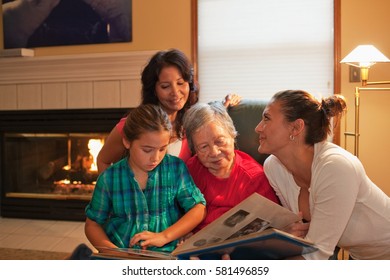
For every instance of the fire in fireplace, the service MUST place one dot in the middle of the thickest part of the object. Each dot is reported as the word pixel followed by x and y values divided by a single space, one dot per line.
pixel 42 164
pixel 48 160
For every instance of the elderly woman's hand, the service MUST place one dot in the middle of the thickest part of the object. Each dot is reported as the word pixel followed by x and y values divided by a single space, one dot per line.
pixel 231 100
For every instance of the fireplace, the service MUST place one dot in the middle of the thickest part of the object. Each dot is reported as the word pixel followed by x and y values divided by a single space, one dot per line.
pixel 48 160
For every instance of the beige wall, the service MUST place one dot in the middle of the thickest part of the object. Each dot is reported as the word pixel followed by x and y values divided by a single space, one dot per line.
pixel 157 24
pixel 367 22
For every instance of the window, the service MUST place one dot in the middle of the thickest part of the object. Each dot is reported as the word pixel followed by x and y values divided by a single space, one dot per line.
pixel 258 47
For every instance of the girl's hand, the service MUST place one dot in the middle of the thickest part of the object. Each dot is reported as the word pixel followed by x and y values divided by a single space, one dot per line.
pixel 148 238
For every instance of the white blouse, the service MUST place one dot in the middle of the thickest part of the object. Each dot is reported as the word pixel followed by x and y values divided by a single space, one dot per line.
pixel 347 208
pixel 174 148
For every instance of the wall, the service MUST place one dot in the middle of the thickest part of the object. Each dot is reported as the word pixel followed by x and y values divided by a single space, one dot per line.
pixel 363 23
pixel 157 24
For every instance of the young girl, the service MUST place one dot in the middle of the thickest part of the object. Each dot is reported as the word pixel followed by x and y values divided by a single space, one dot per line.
pixel 138 201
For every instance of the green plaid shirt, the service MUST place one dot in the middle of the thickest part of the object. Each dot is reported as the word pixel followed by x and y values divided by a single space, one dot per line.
pixel 123 209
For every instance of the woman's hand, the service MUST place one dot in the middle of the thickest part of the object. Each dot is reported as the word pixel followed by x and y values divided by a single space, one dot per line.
pixel 298 229
pixel 148 238
pixel 231 100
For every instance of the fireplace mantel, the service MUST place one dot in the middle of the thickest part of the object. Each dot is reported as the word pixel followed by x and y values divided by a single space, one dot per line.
pixel 80 67
pixel 80 81
pixel 57 94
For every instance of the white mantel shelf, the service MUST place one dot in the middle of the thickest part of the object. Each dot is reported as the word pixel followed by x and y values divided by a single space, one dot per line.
pixel 80 67
pixel 99 80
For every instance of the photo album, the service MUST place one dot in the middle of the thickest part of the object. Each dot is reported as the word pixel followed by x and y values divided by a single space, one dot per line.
pixel 252 230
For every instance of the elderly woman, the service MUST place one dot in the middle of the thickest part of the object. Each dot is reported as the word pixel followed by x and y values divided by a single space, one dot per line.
pixel 224 175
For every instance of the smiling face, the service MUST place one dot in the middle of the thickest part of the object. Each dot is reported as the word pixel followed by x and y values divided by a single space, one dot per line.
pixel 215 149
pixel 172 90
pixel 274 131
pixel 148 150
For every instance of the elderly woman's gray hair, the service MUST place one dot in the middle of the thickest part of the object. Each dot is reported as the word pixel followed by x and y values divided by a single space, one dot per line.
pixel 201 114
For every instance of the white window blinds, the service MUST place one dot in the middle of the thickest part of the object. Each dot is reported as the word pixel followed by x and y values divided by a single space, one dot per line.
pixel 258 47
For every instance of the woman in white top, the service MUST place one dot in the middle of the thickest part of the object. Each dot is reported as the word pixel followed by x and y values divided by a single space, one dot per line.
pixel 322 181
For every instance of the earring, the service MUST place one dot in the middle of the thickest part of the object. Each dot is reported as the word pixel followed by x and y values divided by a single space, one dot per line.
pixel 292 137
pixel 191 80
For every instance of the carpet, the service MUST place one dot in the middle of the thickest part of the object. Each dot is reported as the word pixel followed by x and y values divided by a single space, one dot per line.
pixel 21 254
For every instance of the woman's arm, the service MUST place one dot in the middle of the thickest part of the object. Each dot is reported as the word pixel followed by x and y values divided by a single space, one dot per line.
pixel 183 226
pixel 96 235
pixel 112 150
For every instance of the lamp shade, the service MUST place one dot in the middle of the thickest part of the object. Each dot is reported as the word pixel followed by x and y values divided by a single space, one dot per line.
pixel 364 56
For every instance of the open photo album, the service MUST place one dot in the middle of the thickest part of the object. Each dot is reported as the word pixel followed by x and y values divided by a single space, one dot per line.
pixel 253 229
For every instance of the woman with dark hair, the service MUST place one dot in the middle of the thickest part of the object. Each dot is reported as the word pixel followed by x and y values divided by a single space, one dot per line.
pixel 167 81
pixel 157 90
pixel 319 179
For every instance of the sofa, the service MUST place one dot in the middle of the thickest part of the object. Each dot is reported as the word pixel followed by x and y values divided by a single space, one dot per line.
pixel 246 116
